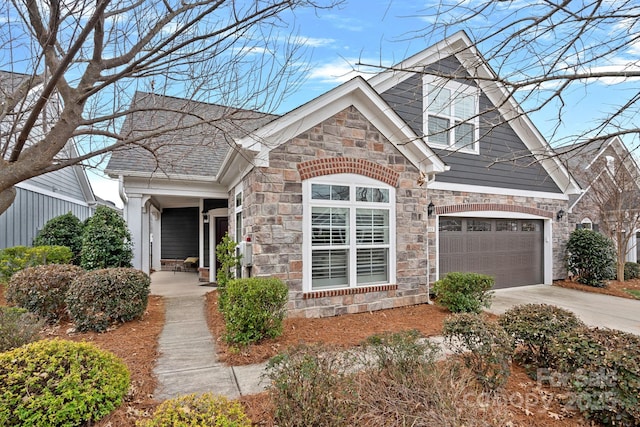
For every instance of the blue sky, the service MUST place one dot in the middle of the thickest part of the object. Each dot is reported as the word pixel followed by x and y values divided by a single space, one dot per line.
pixel 388 31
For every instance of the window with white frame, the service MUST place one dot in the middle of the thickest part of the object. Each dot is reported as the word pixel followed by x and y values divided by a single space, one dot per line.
pixel 349 232
pixel 451 115
pixel 586 223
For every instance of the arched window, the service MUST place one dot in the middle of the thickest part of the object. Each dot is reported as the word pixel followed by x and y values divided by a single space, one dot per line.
pixel 349 232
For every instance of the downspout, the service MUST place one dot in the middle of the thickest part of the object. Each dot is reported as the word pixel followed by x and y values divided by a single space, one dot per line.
pixel 121 192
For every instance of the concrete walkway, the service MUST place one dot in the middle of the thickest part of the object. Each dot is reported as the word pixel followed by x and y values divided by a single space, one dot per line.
pixel 604 311
pixel 188 362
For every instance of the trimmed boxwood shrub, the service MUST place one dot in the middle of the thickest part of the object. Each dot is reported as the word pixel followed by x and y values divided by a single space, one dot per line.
pixel 198 410
pixel 106 241
pixel 59 383
pixel 602 368
pixel 42 290
pixel 101 298
pixel 483 345
pixel 254 309
pixel 464 292
pixel 18 327
pixel 590 257
pixel 19 257
pixel 64 230
pixel 534 326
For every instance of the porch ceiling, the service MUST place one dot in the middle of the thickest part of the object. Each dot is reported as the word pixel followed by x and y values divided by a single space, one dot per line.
pixel 175 201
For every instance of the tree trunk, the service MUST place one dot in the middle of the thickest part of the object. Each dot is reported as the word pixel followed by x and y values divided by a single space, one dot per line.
pixel 6 198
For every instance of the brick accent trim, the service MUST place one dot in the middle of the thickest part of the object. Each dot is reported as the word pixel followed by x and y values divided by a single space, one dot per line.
pixel 334 165
pixel 348 291
pixel 474 207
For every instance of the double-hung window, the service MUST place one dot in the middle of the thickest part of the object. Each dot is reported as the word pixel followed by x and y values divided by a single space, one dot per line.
pixel 451 115
pixel 349 235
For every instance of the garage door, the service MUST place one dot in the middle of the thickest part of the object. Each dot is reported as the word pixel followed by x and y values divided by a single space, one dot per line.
pixel 510 250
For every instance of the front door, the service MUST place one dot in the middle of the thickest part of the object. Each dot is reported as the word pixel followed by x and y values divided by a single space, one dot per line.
pixel 222 226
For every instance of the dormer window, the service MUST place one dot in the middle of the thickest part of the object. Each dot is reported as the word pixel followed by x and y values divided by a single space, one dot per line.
pixel 451 115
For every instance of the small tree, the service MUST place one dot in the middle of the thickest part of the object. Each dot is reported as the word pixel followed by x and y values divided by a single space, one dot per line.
pixel 229 261
pixel 106 241
pixel 64 230
pixel 591 257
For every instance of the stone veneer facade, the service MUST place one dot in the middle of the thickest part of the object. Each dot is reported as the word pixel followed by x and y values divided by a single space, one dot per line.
pixel 348 143
pixel 272 213
pixel 460 203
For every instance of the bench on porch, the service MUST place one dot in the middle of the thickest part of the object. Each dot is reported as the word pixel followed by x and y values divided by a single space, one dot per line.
pixel 191 263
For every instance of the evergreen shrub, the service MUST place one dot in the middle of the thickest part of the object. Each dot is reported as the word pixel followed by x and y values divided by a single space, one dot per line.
pixel 42 289
pixel 590 257
pixel 100 298
pixel 64 230
pixel 254 309
pixel 59 383
pixel 464 292
pixel 198 410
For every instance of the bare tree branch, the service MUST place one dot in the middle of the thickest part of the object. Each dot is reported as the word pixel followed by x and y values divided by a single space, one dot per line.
pixel 80 64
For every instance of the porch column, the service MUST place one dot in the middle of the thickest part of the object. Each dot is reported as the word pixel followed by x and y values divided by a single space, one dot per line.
pixel 155 231
pixel 137 218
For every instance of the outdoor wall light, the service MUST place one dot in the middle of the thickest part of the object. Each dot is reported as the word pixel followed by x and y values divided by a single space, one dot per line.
pixel 205 217
pixel 430 209
pixel 560 215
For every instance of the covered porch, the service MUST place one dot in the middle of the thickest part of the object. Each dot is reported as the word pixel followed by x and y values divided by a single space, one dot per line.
pixel 176 228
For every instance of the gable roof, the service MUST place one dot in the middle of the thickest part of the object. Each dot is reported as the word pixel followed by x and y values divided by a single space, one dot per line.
pixel 355 92
pixel 179 138
pixel 581 157
pixel 461 46
pixel 9 83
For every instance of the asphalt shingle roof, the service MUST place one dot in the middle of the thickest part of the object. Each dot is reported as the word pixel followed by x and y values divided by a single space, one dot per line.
pixel 184 137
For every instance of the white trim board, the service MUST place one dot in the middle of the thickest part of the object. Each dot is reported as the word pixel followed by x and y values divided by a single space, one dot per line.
pixel 49 193
pixel 447 186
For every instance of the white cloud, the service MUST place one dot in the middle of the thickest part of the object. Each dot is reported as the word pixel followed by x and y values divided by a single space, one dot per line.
pixel 342 70
pixel 314 41
pixel 624 69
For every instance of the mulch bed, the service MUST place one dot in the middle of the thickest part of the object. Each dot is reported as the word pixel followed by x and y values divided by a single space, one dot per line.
pixel 343 331
pixel 613 287
pixel 136 343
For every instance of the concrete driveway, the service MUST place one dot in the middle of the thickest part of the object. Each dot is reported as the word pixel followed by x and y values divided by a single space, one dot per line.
pixel 594 309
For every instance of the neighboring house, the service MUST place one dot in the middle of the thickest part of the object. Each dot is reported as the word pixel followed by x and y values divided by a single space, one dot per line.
pixel 362 197
pixel 600 167
pixel 44 197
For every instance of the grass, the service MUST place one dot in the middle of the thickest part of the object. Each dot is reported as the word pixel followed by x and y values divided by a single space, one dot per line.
pixel 634 292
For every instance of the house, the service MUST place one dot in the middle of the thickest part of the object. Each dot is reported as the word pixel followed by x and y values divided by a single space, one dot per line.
pixel 601 167
pixel 44 197
pixel 362 197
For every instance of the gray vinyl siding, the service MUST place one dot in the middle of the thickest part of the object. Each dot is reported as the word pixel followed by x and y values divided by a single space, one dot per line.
pixel 179 234
pixel 30 212
pixel 64 181
pixel 499 145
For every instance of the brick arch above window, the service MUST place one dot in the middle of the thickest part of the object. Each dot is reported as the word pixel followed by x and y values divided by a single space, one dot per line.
pixel 337 165
pixel 475 207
